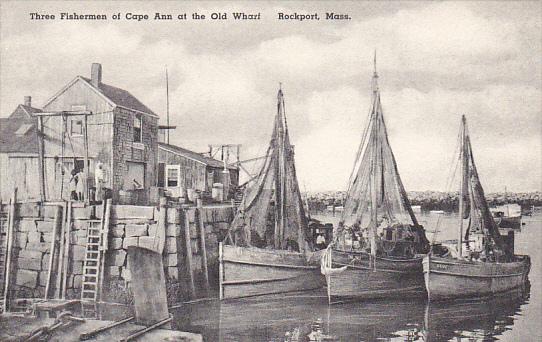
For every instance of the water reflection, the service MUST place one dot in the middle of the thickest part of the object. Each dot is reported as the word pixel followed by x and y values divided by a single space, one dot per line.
pixel 309 318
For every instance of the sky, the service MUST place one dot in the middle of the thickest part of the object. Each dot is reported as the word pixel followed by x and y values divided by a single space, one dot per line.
pixel 436 61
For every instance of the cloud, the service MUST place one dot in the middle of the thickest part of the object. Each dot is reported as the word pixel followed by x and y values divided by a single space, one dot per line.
pixel 436 61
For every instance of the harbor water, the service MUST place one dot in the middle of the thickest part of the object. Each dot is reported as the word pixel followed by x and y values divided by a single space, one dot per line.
pixel 307 317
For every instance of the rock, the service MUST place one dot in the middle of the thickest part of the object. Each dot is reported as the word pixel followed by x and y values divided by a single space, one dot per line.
pixel 116 258
pixel 43 278
pixel 115 243
pixel 27 278
pixel 173 216
pixel 172 259
pixel 35 237
pixel 173 273
pixel 21 238
pixel 29 264
pixel 77 267
pixel 130 241
pixel 27 225
pixel 78 253
pixel 77 281
pixel 45 226
pixel 152 229
pixel 117 231
pixel 136 230
pixel 125 274
pixel 146 242
pixel 30 254
pixel 38 246
pixel 114 271
pixel 173 230
pixel 171 245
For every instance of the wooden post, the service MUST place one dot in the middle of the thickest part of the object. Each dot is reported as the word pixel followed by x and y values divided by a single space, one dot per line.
pixel 56 228
pixel 220 270
pixel 106 212
pixel 67 249
pixel 188 250
pixel 9 237
pixel 201 233
pixel 86 168
pixel 61 260
pixel 41 161
pixel 160 237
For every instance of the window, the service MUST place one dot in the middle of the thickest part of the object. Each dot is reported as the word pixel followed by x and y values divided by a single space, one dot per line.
pixel 76 127
pixel 137 128
pixel 173 175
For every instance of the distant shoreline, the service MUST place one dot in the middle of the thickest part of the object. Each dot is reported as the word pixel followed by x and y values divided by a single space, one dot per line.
pixel 431 200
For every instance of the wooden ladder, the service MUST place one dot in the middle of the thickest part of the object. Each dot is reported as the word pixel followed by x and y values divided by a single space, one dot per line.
pixel 93 267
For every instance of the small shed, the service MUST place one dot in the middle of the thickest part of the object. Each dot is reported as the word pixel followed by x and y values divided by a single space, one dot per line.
pixel 19 153
pixel 181 170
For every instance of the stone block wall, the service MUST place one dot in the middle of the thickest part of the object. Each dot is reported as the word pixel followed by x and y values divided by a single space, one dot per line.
pixel 129 225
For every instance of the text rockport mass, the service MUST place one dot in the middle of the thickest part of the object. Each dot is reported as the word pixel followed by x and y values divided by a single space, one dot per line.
pixel 298 16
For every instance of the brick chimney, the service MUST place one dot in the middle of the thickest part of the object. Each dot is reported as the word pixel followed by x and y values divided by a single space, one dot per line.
pixel 96 74
pixel 28 101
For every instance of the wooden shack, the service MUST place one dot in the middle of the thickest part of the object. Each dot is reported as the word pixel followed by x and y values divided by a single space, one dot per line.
pixel 19 153
pixel 122 136
pixel 180 170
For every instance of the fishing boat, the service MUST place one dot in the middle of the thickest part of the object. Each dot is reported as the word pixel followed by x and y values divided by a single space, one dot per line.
pixel 483 262
pixel 268 248
pixel 507 215
pixel 378 244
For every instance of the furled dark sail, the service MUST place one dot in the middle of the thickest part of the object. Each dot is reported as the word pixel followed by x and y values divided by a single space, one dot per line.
pixel 271 213
pixel 481 219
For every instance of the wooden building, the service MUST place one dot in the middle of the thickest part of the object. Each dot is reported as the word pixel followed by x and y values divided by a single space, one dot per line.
pixel 180 169
pixel 122 136
pixel 19 153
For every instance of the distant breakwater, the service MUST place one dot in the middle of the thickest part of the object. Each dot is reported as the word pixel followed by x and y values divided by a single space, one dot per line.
pixel 430 200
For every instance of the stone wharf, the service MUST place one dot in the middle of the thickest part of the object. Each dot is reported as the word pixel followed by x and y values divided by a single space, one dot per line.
pixel 297 16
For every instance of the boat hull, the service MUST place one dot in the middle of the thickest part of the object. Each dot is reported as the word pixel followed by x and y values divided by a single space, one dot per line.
pixel 391 277
pixel 250 271
pixel 447 278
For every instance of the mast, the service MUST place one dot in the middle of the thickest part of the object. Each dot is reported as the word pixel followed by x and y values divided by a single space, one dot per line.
pixel 280 174
pixel 462 188
pixel 167 105
pixel 375 166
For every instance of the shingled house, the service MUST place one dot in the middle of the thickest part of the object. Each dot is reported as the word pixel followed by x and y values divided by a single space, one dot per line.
pixel 19 153
pixel 122 136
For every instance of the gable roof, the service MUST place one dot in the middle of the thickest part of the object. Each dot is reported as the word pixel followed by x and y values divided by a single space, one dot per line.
pixel 115 96
pixel 11 142
pixel 194 156
pixel 120 97
pixel 24 112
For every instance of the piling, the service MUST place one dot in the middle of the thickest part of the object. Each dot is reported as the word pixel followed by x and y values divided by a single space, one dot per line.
pixel 201 233
pixel 188 250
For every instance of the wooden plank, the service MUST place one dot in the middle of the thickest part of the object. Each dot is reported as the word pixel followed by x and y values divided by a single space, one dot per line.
pixel 106 214
pixel 60 266
pixel 10 237
pixel 66 250
pixel 188 251
pixel 201 233
pixel 220 270
pixel 41 162
pixel 56 227
pixel 87 171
